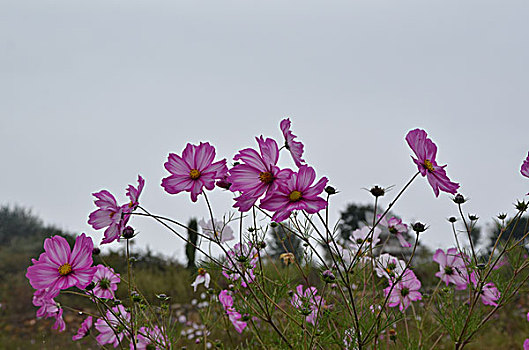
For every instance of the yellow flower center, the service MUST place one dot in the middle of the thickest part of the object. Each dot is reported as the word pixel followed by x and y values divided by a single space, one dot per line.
pixel 428 165
pixel 111 214
pixel 294 196
pixel 201 271
pixel 65 269
pixel 266 177
pixel 194 174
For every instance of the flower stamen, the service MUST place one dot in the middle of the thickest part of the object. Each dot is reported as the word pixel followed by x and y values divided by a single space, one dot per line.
pixel 65 269
pixel 428 165
pixel 194 174
pixel 266 177
pixel 294 196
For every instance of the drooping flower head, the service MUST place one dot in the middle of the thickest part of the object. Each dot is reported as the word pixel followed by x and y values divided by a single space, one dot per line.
pixel 257 174
pixel 426 151
pixel 194 170
pixel 295 147
pixel 221 233
pixel 453 267
pixel 60 267
pixel 404 291
pixel 296 193
pixel 106 282
pixel 84 330
pixel 202 277
pixel 397 227
pixel 113 328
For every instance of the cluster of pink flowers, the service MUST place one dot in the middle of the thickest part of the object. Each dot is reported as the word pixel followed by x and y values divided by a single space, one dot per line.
pixel 240 264
pixel 308 302
pixel 454 268
pixel 255 174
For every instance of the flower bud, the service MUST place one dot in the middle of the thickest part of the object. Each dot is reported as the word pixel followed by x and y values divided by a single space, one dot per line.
pixel 459 199
pixel 377 191
pixel 502 216
pixel 473 217
pixel 452 219
pixel 330 190
pixel 521 206
pixel 128 232
pixel 418 227
pixel 96 251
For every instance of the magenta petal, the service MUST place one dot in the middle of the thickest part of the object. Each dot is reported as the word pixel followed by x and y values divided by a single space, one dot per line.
pixel 57 249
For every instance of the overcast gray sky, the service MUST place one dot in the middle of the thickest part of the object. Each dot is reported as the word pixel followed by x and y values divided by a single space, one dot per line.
pixel 95 92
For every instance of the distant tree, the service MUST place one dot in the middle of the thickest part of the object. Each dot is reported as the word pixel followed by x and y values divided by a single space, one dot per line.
pixel 192 237
pixel 354 217
pixel 514 230
pixel 283 241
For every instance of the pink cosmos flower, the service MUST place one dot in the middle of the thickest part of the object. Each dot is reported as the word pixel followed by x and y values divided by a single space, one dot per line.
pixel 226 299
pixel 59 267
pixel 222 232
pixel 386 265
pixel 84 330
pixel 150 339
pixel 403 292
pixel 295 147
pixel 235 319
pixel 426 151
pixel 48 307
pixel 296 193
pixel 194 170
pixel 308 302
pixel 112 329
pixel 526 344
pixel 106 282
pixel 525 167
pixel 109 215
pixel 113 216
pixel 364 234
pixel 242 259
pixel 396 227
pixel 257 174
pixel 489 293
pixel 43 298
pixel 453 268
pixel 202 277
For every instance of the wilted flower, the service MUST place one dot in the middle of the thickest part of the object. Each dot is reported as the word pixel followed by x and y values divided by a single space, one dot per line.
pixel 426 151
pixel 194 170
pixel 288 258
pixel 202 277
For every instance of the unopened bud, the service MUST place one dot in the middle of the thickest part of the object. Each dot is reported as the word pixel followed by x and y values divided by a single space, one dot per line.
pixel 128 232
pixel 459 199
pixel 418 227
pixel 330 190
pixel 377 191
